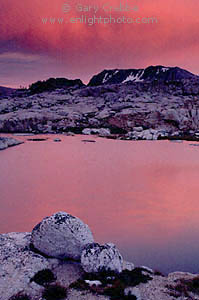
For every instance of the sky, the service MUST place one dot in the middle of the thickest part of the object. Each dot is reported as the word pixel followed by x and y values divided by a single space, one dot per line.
pixel 32 50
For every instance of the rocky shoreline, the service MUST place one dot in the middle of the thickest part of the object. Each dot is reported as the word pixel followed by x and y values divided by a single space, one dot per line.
pixel 6 142
pixel 147 110
pixel 60 260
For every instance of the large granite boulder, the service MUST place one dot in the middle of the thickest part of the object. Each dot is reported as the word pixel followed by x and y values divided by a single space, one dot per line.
pixel 61 236
pixel 96 257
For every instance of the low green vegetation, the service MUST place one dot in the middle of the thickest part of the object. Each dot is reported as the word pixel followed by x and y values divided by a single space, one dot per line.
pixel 54 292
pixel 113 284
pixel 44 277
pixel 20 296
pixel 184 287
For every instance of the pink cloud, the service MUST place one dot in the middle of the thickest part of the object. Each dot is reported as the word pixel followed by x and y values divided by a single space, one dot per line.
pixel 80 50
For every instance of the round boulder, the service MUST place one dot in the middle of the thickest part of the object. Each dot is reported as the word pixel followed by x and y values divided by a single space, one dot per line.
pixel 96 258
pixel 61 236
pixel 133 291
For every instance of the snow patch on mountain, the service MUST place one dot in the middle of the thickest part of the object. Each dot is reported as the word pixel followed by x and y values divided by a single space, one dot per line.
pixel 165 69
pixel 133 77
pixel 106 77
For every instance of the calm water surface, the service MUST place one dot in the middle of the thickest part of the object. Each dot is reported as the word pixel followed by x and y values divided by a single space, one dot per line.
pixel 143 196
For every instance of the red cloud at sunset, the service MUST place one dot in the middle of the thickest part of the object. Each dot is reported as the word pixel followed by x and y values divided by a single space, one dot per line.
pixel 31 50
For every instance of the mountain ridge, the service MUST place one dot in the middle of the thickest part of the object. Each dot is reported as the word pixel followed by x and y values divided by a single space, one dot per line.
pixel 151 73
pixel 111 76
pixel 133 110
pixel 6 91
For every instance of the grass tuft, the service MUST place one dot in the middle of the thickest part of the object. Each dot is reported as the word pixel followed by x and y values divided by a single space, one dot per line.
pixel 113 284
pixel 20 296
pixel 54 292
pixel 184 287
pixel 43 277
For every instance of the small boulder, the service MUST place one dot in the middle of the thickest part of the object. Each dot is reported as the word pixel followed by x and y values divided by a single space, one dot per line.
pixel 86 131
pixel 96 257
pixel 93 282
pixel 3 144
pixel 138 129
pixel 147 269
pixel 61 236
pixel 69 133
pixel 104 132
pixel 147 135
pixel 133 291
pixel 128 266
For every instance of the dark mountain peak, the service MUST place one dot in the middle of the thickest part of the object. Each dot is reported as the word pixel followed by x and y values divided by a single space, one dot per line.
pixel 54 83
pixel 151 73
pixel 5 91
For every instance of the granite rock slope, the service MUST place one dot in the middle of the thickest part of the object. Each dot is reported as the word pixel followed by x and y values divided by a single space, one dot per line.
pixel 160 107
pixel 102 274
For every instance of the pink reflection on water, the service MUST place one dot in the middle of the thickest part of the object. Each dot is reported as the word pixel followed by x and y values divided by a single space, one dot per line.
pixel 140 195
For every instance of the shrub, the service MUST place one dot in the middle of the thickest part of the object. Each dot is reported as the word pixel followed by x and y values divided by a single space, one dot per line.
pixel 184 286
pixel 44 277
pixel 54 292
pixel 116 291
pixel 80 285
pixel 193 285
pixel 130 297
pixel 178 290
pixel 158 273
pixel 101 276
pixel 20 296
pixel 52 84
pixel 113 284
pixel 134 277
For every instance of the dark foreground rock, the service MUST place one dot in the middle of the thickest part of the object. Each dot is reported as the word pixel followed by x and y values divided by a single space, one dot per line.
pixel 26 273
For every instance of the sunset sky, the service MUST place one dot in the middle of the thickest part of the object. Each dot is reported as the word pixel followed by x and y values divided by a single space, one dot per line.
pixel 31 50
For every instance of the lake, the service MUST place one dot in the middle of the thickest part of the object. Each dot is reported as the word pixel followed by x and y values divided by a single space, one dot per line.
pixel 141 195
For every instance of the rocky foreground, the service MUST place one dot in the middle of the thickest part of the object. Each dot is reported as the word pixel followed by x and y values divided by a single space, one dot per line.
pixel 60 260
pixel 149 104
